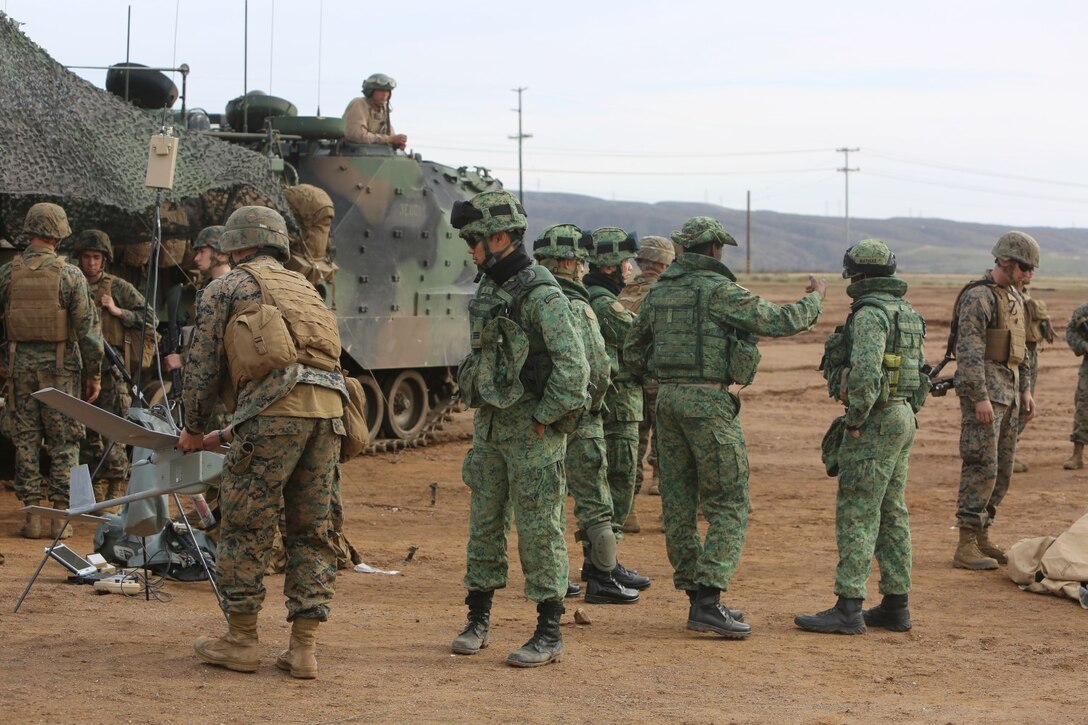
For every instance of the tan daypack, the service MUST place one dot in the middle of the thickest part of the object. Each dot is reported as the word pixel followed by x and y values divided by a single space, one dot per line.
pixel 358 435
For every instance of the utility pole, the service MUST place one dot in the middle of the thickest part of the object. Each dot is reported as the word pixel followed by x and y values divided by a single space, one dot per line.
pixel 846 173
pixel 748 239
pixel 520 137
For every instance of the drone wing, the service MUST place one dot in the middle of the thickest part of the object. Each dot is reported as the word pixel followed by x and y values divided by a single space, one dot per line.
pixel 112 427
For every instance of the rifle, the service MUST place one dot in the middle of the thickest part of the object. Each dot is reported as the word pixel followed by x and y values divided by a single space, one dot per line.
pixel 940 386
pixel 119 365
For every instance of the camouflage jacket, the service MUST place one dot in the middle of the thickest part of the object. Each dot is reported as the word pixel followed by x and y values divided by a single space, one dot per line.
pixel 1076 332
pixel 596 353
pixel 363 124
pixel 549 324
pixel 134 311
pixel 869 332
pixel 729 306
pixel 205 370
pixel 83 351
pixel 623 401
pixel 632 295
pixel 977 378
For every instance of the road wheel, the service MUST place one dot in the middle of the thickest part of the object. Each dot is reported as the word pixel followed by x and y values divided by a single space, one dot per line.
pixel 406 397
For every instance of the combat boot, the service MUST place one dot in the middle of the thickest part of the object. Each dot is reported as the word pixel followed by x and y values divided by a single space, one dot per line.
pixel 630 578
pixel 573 590
pixel 478 628
pixel 968 555
pixel 737 614
pixel 60 526
pixel 655 487
pixel 546 645
pixel 300 657
pixel 1019 466
pixel 32 529
pixel 1076 461
pixel 891 614
pixel 602 588
pixel 708 615
pixel 843 618
pixel 631 525
pixel 989 548
pixel 237 649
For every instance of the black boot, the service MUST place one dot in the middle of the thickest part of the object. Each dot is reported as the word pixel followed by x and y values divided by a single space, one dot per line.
pixel 573 590
pixel 630 578
pixel 843 618
pixel 891 614
pixel 474 637
pixel 737 614
pixel 708 615
pixel 547 643
pixel 602 588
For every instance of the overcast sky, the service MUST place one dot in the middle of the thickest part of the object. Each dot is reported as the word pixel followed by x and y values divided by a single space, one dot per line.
pixel 971 110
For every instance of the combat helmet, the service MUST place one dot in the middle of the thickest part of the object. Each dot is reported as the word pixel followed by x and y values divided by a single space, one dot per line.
pixel 47 221
pixel 488 213
pixel 378 82
pixel 256 226
pixel 611 246
pixel 1017 246
pixel 700 230
pixel 869 257
pixel 93 240
pixel 656 249
pixel 563 241
pixel 210 237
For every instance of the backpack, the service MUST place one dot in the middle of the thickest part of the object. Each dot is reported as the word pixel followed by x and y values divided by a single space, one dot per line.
pixel 357 435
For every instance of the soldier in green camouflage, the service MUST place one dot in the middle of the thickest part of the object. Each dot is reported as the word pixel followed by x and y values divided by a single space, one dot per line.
pixel 879 381
pixel 694 335
pixel 54 340
pixel 654 256
pixel 125 319
pixel 561 250
pixel 1076 335
pixel 992 380
pixel 285 440
pixel 1037 330
pixel 527 376
pixel 613 250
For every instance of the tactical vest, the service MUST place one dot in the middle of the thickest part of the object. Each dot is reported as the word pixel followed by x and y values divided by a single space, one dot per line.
pixel 34 312
pixel 507 301
pixel 689 347
pixel 902 362
pixel 255 342
pixel 112 330
pixel 1035 317
pixel 1005 337
pixel 614 324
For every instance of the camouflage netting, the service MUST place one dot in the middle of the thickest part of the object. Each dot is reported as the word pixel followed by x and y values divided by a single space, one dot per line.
pixel 66 141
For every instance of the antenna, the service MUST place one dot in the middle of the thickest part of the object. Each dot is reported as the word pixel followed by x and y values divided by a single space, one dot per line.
pixel 271 45
pixel 520 137
pixel 245 70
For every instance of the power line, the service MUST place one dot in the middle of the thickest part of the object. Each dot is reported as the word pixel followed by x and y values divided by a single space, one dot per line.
pixel 587 172
pixel 983 190
pixel 976 172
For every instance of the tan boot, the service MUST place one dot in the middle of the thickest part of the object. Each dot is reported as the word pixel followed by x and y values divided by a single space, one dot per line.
pixel 300 658
pixel 989 548
pixel 101 490
pixel 1018 467
pixel 655 487
pixel 57 526
pixel 968 555
pixel 1076 461
pixel 237 649
pixel 32 529
pixel 631 525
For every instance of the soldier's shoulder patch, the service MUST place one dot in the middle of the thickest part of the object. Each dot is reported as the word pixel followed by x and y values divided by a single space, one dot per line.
pixel 590 314
pixel 552 297
pixel 530 274
pixel 617 307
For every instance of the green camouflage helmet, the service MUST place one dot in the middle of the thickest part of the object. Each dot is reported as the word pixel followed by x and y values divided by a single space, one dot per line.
pixel 504 349
pixel 700 230
pixel 869 256
pixel 47 221
pixel 378 82
pixel 256 226
pixel 488 213
pixel 93 240
pixel 656 249
pixel 211 237
pixel 563 241
pixel 611 246
pixel 1018 246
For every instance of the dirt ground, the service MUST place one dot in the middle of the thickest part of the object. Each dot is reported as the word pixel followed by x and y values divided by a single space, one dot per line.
pixel 980 649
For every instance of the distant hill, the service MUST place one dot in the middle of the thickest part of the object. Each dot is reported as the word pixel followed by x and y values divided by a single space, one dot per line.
pixel 794 242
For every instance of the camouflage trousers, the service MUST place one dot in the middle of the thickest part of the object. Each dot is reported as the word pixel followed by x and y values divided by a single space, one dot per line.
pixel 704 466
pixel 1080 406
pixel 520 478
pixel 871 508
pixel 273 457
pixel 115 398
pixel 1032 357
pixel 987 452
pixel 647 439
pixel 31 423
pixel 621 448
pixel 586 473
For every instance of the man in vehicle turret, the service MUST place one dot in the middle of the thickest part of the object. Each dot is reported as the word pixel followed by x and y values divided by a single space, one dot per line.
pixel 695 335
pixel 54 340
pixel 527 376
pixel 993 379
pixel 128 325
pixel 366 119
pixel 285 439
